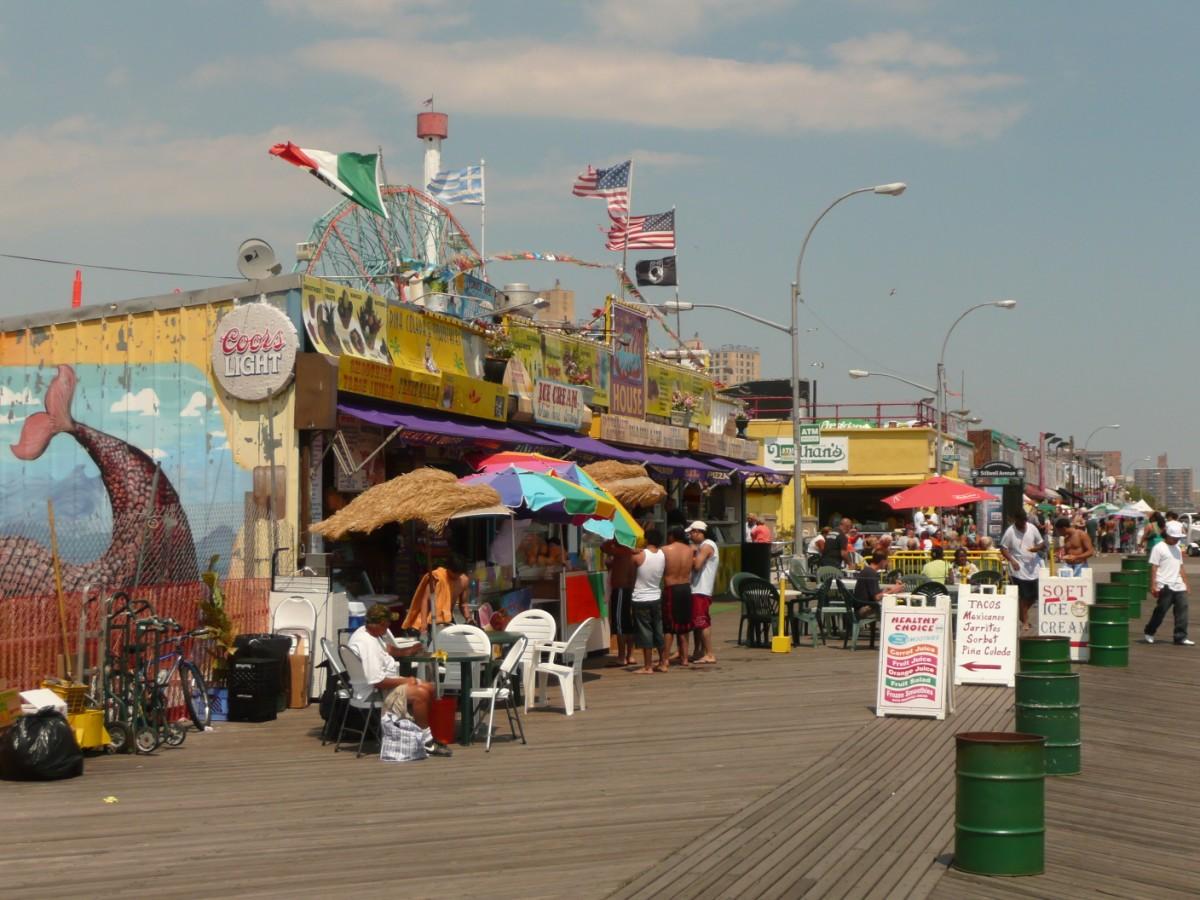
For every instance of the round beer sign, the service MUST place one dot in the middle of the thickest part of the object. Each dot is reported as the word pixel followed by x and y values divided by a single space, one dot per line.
pixel 254 351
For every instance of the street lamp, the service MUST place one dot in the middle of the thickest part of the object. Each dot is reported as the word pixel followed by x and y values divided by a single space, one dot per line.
pixel 1088 440
pixel 893 189
pixel 863 373
pixel 941 374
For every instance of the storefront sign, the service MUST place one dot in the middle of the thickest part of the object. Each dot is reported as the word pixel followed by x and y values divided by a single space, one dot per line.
pixel 254 351
pixel 429 344
pixel 846 423
pixel 726 446
pixel 558 404
pixel 341 321
pixel 985 647
pixel 677 390
pixel 997 473
pixel 451 393
pixel 913 656
pixel 639 433
pixel 810 434
pixel 574 361
pixel 831 454
pixel 1063 609
pixel 628 393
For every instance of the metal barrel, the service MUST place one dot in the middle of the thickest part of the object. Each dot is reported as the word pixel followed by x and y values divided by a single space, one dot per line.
pixel 1048 704
pixel 1108 634
pixel 1134 563
pixel 1119 592
pixel 1000 803
pixel 1046 654
pixel 1138 584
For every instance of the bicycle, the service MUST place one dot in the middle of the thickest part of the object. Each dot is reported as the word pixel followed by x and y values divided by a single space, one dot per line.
pixel 182 678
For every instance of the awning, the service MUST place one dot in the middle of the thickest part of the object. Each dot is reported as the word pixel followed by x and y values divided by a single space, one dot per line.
pixel 590 446
pixel 1071 496
pixel 441 430
pixel 670 465
pixel 752 470
pixel 1033 492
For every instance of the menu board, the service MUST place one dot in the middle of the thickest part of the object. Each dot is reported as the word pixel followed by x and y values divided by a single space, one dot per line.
pixel 913 657
pixel 985 646
pixel 627 396
pixel 341 321
pixel 426 344
pixel 572 361
pixel 678 390
pixel 1063 609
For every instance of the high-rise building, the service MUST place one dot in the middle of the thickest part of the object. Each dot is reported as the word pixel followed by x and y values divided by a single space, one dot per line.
pixel 736 363
pixel 1108 460
pixel 562 304
pixel 1171 487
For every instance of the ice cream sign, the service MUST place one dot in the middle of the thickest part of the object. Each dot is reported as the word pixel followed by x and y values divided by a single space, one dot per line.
pixel 254 351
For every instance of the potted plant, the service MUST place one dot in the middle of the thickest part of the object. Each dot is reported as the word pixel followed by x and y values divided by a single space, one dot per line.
pixel 683 405
pixel 214 617
pixel 499 352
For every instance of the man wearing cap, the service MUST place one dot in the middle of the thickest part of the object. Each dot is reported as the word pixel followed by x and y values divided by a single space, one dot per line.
pixel 1166 578
pixel 1077 546
pixel 381 672
pixel 705 560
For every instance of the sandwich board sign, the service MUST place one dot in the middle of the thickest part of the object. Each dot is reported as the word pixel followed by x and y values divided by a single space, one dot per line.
pixel 913 656
pixel 1063 609
pixel 985 645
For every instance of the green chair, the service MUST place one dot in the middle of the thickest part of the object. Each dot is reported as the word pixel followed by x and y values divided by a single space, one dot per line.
pixel 760 607
pixel 987 576
pixel 912 582
pixel 801 616
pixel 854 622
pixel 735 587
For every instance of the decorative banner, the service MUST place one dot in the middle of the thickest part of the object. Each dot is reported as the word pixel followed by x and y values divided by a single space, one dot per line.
pixel 628 393
pixel 558 404
pixel 427 344
pixel 913 656
pixel 831 454
pixel 254 351
pixel 476 296
pixel 1063 609
pixel 451 393
pixel 640 433
pixel 985 649
pixel 575 361
pixel 341 321
pixel 677 392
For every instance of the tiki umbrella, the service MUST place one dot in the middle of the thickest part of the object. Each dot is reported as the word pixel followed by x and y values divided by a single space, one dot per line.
pixel 540 495
pixel 539 462
pixel 937 491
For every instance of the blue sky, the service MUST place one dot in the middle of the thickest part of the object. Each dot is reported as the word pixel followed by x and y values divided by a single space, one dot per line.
pixel 1050 151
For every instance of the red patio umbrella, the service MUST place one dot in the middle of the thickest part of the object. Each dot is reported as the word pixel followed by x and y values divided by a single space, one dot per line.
pixel 937 491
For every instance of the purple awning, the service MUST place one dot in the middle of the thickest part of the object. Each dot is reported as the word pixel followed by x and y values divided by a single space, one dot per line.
pixel 669 464
pixel 752 469
pixel 433 428
pixel 588 445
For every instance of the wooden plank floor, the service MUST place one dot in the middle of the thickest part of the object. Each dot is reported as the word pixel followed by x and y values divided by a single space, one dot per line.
pixel 765 776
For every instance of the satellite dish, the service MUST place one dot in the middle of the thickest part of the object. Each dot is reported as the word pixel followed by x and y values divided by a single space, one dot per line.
pixel 256 259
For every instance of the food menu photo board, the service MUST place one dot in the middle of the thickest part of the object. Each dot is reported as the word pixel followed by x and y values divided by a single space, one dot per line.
pixel 341 321
pixel 985 649
pixel 913 658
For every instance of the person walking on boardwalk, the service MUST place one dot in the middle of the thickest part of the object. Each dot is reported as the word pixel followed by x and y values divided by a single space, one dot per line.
pixel 1021 545
pixel 647 602
pixel 1169 585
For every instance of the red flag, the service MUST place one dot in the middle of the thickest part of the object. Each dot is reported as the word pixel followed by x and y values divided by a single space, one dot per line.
pixel 77 290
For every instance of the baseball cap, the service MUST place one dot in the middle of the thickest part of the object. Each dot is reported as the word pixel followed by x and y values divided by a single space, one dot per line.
pixel 1175 530
pixel 698 526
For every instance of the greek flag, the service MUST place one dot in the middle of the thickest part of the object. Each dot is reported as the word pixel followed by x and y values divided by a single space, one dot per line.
pixel 462 186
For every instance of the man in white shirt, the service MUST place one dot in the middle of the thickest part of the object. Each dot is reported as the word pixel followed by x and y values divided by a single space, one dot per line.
pixel 1022 545
pixel 705 561
pixel 381 671
pixel 1168 584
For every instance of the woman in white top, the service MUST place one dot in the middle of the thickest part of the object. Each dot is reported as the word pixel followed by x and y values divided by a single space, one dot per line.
pixel 647 602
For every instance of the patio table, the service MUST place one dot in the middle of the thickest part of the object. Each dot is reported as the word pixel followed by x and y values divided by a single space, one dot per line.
pixel 465 713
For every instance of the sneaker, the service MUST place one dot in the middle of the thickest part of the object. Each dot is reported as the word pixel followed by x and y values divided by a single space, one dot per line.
pixel 1147 639
pixel 1186 642
pixel 433 748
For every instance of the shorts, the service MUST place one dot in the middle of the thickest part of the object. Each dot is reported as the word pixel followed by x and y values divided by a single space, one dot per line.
pixel 620 611
pixel 648 624
pixel 677 609
pixel 1027 590
pixel 700 607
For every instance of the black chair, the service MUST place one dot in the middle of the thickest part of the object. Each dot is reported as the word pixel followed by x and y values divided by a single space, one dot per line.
pixel 932 589
pixel 855 622
pixel 760 608
pixel 803 618
pixel 987 576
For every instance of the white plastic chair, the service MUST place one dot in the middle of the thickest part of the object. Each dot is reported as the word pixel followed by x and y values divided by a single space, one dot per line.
pixel 461 640
pixel 502 690
pixel 371 704
pixel 570 671
pixel 296 616
pixel 538 627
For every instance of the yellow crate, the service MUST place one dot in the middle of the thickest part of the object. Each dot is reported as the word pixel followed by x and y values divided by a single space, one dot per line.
pixel 75 694
pixel 89 729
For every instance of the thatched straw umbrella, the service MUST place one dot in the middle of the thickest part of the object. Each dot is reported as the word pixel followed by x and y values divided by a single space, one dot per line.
pixel 628 482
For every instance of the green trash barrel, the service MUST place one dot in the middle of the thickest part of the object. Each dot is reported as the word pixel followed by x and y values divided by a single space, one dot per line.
pixel 1048 704
pixel 1119 592
pixel 1108 634
pixel 1000 803
pixel 1138 585
pixel 1045 654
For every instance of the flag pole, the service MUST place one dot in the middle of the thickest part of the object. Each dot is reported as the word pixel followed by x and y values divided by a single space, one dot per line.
pixel 625 243
pixel 678 322
pixel 483 218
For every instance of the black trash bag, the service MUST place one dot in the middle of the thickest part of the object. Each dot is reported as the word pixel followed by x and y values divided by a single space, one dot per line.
pixel 40 747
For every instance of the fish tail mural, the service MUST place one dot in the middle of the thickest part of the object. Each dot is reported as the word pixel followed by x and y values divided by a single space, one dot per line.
pixel 151 539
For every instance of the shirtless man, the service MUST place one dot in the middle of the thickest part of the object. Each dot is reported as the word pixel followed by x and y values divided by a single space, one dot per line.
pixel 677 592
pixel 622 573
pixel 1077 546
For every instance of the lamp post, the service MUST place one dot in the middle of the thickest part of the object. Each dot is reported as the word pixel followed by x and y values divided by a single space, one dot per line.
pixel 1088 440
pixel 941 374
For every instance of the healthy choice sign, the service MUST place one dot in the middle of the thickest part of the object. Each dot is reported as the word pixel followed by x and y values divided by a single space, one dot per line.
pixel 830 454
pixel 254 351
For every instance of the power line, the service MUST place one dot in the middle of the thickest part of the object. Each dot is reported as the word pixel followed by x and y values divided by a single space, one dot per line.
pixel 79 265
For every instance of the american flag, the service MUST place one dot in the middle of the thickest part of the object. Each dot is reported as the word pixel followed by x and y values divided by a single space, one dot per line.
pixel 656 232
pixel 611 184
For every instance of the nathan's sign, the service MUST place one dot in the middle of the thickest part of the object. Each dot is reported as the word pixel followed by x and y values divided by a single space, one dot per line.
pixel 639 433
pixel 558 404
pixel 831 454
pixel 254 351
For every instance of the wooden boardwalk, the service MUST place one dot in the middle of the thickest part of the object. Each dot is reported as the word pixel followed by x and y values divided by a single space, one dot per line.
pixel 765 776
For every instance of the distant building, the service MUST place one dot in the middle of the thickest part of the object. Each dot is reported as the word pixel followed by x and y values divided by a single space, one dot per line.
pixel 1108 460
pixel 1171 487
pixel 735 364
pixel 562 304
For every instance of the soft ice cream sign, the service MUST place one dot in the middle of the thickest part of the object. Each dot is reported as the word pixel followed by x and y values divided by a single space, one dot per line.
pixel 829 454
pixel 254 351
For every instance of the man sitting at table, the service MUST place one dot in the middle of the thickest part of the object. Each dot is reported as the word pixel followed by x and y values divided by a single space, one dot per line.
pixel 867 591
pixel 381 671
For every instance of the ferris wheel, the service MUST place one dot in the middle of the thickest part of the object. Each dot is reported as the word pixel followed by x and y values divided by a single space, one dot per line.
pixel 353 246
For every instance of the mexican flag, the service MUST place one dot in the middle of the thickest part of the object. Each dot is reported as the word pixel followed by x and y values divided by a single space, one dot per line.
pixel 357 175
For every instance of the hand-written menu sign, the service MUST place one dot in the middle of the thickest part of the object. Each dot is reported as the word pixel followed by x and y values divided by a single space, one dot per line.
pixel 913 657
pixel 985 648
pixel 557 404
pixel 1063 609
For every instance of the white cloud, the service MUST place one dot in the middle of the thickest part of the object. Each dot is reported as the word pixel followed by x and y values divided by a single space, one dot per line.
pixel 195 407
pixel 156 453
pixel 670 21
pixel 901 48
pixel 664 159
pixel 219 434
pixel 683 91
pixel 376 15
pixel 9 397
pixel 144 401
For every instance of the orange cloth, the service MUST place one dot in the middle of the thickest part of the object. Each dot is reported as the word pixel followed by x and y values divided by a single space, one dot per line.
pixel 418 609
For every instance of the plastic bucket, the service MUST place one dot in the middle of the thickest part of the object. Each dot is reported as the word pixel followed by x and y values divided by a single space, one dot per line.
pixel 1046 654
pixel 1048 704
pixel 441 719
pixel 1108 634
pixel 1000 803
